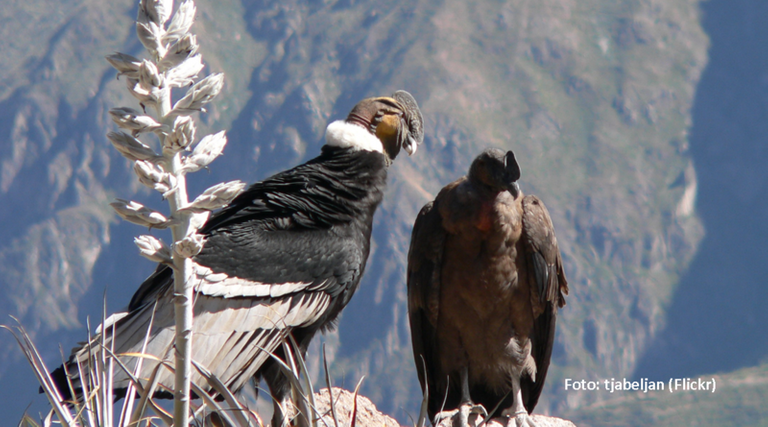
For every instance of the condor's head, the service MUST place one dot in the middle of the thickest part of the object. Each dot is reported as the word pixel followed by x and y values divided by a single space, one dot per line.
pixel 385 124
pixel 496 170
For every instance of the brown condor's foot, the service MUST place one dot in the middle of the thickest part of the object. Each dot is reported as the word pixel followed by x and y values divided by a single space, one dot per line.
pixel 462 416
pixel 467 408
pixel 517 415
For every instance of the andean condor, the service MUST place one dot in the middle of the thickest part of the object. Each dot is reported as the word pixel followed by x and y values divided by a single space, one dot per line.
pixel 485 281
pixel 283 258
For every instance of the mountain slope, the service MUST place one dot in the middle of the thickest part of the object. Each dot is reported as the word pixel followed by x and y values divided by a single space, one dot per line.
pixel 738 400
pixel 593 96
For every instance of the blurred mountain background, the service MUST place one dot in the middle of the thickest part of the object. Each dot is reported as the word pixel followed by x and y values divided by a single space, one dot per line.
pixel 642 124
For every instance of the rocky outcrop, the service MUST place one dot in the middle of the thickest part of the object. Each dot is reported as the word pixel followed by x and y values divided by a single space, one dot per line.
pixel 346 404
pixel 368 416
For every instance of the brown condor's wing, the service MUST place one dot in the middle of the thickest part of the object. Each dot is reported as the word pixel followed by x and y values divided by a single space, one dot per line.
pixel 544 261
pixel 424 266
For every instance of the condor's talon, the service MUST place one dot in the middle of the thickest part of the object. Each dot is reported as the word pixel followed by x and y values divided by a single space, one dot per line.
pixel 477 414
pixel 466 415
pixel 477 409
pixel 518 419
pixel 444 415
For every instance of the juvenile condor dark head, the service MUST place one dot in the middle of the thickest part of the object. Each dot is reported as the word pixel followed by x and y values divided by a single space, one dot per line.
pixel 496 170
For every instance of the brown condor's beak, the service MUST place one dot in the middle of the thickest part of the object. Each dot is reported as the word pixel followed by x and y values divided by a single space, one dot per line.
pixel 512 173
pixel 395 120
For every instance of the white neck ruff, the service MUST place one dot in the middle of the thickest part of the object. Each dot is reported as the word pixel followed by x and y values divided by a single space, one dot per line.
pixel 349 135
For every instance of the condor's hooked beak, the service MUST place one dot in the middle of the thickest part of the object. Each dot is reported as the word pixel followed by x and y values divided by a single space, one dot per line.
pixel 412 123
pixel 511 173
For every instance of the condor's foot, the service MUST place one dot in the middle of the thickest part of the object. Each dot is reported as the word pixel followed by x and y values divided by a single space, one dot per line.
pixel 518 419
pixel 467 415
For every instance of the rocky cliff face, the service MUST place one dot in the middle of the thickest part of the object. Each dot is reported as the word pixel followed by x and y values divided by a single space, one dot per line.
pixel 593 96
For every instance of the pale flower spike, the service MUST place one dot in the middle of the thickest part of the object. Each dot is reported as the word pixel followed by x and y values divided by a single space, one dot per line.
pixel 130 147
pixel 184 73
pixel 150 35
pixel 154 176
pixel 149 77
pixel 205 152
pixel 132 120
pixel 183 50
pixel 153 249
pixel 182 21
pixel 139 214
pixel 181 136
pixel 158 11
pixel 189 246
pixel 126 65
pixel 200 94
pixel 216 197
pixel 173 62
pixel 139 92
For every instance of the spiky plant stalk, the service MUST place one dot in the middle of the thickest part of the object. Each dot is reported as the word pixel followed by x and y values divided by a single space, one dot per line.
pixel 173 64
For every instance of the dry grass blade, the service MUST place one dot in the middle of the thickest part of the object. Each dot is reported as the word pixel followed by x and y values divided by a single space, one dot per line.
pixel 330 389
pixel 108 365
pixel 222 389
pixel 353 421
pixel 144 392
pixel 27 421
pixel 445 397
pixel 48 422
pixel 146 400
pixel 71 387
pixel 84 390
pixel 284 368
pixel 291 373
pixel 130 396
pixel 41 372
pixel 85 385
pixel 307 390
pixel 298 394
pixel 242 413
pixel 421 422
pixel 214 405
pixel 93 380
pixel 89 397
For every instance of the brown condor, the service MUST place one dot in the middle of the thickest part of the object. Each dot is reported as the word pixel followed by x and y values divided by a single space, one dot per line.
pixel 485 281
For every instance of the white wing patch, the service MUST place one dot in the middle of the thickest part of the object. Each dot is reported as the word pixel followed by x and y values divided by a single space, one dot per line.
pixel 232 337
pixel 344 135
pixel 109 321
pixel 213 284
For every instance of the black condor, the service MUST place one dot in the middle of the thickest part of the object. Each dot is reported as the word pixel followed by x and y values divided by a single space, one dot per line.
pixel 283 258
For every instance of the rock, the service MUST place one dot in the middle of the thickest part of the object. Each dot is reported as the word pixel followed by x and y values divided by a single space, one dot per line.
pixel 540 420
pixel 369 416
pixel 344 403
